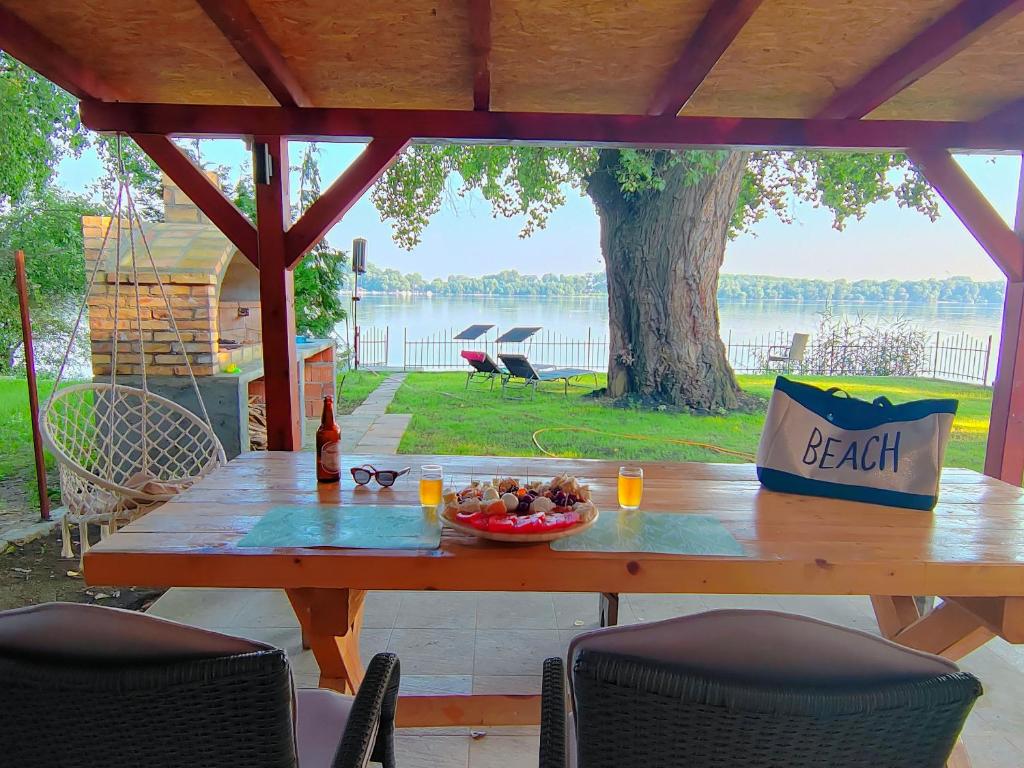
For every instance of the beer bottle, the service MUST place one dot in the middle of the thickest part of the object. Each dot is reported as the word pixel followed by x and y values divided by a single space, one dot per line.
pixel 328 445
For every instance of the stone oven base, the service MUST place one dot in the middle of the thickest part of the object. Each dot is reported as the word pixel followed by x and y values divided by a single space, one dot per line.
pixel 227 395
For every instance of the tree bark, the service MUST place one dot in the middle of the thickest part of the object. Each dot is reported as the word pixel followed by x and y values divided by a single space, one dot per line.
pixel 663 250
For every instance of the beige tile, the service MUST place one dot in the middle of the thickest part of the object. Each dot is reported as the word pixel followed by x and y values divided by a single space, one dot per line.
pixel 436 684
pixel 514 651
pixel 574 610
pixel 420 750
pixel 660 607
pixel 269 608
pixel 209 608
pixel 373 641
pixel 437 610
pixel 494 751
pixel 434 651
pixel 515 610
pixel 381 609
pixel 507 684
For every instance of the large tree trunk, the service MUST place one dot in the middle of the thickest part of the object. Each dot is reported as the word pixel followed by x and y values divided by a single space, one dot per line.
pixel 663 250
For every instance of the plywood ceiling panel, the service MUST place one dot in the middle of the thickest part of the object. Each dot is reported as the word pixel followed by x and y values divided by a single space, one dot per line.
pixel 972 84
pixel 368 53
pixel 573 56
pixel 165 51
pixel 793 55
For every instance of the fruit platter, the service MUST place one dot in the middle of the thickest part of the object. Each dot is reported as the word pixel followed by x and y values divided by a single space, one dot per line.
pixel 506 509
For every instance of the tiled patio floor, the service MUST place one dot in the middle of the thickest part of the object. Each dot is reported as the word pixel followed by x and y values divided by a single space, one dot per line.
pixel 494 642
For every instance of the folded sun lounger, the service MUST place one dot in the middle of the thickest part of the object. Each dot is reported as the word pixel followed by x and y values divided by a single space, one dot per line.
pixel 520 368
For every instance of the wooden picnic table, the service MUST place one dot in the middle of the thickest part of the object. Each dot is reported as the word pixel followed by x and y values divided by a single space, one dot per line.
pixel 969 551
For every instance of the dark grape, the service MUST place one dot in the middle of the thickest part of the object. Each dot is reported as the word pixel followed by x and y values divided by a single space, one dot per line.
pixel 523 508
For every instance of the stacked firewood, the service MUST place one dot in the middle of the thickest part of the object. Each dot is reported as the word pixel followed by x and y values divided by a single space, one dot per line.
pixel 257 424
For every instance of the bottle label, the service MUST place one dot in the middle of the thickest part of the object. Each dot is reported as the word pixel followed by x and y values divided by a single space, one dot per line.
pixel 330 457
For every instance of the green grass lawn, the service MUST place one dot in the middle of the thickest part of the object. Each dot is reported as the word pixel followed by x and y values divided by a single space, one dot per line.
pixel 449 420
pixel 353 388
pixel 17 473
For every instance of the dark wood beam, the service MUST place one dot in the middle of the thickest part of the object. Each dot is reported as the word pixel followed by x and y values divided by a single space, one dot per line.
pixel 277 302
pixel 203 192
pixel 572 129
pixel 1002 244
pixel 245 32
pixel 1013 112
pixel 36 50
pixel 480 41
pixel 936 44
pixel 715 34
pixel 1004 452
pixel 337 199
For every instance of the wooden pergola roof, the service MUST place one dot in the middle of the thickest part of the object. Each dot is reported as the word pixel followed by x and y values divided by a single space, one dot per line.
pixel 925 61
pixel 924 76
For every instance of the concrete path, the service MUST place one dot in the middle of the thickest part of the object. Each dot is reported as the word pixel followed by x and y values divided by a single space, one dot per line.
pixel 369 428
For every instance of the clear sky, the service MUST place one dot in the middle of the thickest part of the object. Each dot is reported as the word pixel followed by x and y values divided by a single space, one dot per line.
pixel 464 238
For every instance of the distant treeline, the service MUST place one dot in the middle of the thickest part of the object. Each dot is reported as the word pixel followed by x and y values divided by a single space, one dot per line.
pixel 730 287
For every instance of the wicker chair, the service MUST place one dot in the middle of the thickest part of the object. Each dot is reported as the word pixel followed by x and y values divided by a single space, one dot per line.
pixel 89 687
pixel 746 689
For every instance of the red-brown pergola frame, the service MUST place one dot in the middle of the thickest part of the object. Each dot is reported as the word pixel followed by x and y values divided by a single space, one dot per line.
pixel 275 246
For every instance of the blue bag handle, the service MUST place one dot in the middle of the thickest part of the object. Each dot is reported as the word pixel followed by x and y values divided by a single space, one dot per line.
pixel 882 402
pixel 834 390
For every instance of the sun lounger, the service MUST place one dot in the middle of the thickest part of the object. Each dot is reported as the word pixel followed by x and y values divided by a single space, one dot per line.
pixel 483 366
pixel 520 368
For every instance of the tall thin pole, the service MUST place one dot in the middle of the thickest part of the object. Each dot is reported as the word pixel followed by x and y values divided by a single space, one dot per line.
pixel 21 282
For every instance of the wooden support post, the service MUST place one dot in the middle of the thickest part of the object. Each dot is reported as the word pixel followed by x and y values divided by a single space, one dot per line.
pixel 1004 454
pixel 277 299
pixel 608 609
pixel 21 283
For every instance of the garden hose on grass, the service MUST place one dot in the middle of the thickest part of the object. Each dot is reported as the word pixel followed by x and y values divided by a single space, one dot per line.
pixel 650 438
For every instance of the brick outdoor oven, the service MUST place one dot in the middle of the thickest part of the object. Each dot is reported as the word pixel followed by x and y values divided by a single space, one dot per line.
pixel 214 296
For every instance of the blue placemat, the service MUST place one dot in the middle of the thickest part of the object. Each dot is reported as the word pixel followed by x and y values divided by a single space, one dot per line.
pixel 350 526
pixel 664 532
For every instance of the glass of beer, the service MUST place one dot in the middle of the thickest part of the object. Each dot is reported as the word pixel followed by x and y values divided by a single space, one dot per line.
pixel 631 487
pixel 431 480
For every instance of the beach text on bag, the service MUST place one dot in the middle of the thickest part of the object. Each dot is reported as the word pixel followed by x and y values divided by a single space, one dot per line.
pixel 877 452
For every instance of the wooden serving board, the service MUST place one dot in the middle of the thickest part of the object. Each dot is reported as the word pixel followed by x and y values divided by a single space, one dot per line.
pixel 518 538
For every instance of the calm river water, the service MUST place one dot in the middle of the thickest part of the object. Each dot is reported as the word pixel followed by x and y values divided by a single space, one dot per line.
pixel 573 317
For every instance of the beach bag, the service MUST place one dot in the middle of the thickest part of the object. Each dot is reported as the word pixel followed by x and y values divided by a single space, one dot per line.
pixel 824 443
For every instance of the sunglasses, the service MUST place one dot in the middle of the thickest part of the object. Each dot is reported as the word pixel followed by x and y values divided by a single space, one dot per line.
pixel 384 477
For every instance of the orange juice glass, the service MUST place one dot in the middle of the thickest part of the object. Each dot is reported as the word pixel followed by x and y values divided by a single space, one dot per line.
pixel 431 480
pixel 631 487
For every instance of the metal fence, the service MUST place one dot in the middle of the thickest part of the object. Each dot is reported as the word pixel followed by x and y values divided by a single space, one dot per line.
pixel 373 347
pixel 441 350
pixel 950 356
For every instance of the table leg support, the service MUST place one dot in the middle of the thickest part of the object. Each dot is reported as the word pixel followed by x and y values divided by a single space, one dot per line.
pixel 608 609
pixel 331 620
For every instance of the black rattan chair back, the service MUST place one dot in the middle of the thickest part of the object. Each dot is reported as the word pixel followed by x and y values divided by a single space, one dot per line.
pixel 631 711
pixel 196 713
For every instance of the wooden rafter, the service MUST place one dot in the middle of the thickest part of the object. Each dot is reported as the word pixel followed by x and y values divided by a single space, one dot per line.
pixel 715 34
pixel 245 32
pixel 338 198
pixel 1013 112
pixel 480 40
pixel 548 128
pixel 1001 243
pixel 942 40
pixel 36 50
pixel 201 191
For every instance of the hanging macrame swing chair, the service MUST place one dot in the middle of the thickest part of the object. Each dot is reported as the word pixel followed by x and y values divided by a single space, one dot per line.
pixel 122 450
